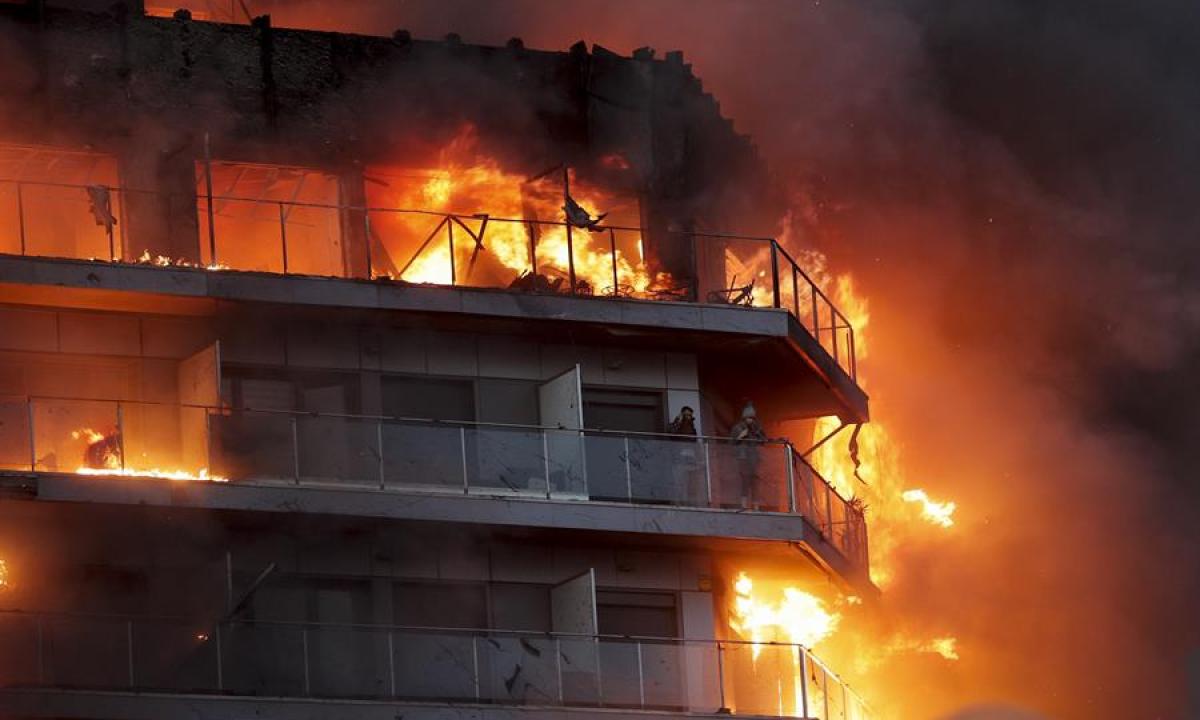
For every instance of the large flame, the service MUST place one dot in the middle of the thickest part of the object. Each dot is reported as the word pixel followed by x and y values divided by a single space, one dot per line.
pixel 466 182
pixel 791 616
pixel 103 456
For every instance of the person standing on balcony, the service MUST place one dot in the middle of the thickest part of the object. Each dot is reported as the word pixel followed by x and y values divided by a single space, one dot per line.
pixel 747 435
pixel 687 474
pixel 684 423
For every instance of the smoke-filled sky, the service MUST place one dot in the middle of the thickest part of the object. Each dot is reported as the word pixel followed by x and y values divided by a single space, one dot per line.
pixel 1014 186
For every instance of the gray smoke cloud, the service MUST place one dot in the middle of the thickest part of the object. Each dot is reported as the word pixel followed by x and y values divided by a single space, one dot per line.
pixel 1012 184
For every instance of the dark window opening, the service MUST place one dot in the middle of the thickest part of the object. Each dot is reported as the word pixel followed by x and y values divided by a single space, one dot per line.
pixel 628 410
pixel 646 614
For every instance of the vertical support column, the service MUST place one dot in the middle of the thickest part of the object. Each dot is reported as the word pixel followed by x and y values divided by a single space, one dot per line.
pixel 641 677
pixel 121 434
pixel 41 651
pixel 803 682
pixel 283 235
pixel 295 449
pixel 208 190
pixel 775 272
pixel 791 477
pixel 796 293
pixel 307 674
pixel 612 249
pixel 450 236
pixel 558 668
pixel 724 708
pixel 462 440
pixel 391 645
pixel 129 650
pixel 21 216
pixel 628 472
pixel 32 437
pixel 220 660
pixel 570 236
pixel 546 460
pixel 475 664
pixel 708 472
pixel 382 474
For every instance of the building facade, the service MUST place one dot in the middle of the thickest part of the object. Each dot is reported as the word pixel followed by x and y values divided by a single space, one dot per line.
pixel 346 376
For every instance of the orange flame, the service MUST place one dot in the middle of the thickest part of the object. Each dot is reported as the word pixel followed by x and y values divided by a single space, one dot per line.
pixel 795 617
pixel 3 575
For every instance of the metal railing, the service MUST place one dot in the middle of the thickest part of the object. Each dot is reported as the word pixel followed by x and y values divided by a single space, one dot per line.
pixel 406 454
pixel 380 662
pixel 416 246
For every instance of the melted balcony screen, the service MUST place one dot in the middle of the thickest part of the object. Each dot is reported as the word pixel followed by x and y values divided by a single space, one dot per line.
pixel 46 201
pixel 270 218
pixel 480 225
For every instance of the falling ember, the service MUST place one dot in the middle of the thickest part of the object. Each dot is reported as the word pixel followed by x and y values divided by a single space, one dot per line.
pixel 797 617
pixel 938 513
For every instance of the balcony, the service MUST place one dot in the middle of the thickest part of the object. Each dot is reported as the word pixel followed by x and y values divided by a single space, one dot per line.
pixel 415 248
pixel 608 471
pixel 42 653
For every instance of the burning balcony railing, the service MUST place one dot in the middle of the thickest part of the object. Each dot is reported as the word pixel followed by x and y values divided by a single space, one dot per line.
pixel 376 662
pixel 99 437
pixel 412 246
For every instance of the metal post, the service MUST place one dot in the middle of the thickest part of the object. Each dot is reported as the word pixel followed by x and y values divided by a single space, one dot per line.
pixel 304 646
pixel 392 661
pixel 795 292
pixel 707 472
pixel 112 245
pixel 208 189
pixel 121 435
pixel 791 478
pixel 803 682
pixel 21 216
pixel 220 662
pixel 829 510
pixel 816 316
pixel 775 271
pixel 295 450
pixel 641 677
pixel 450 235
pixel 32 438
pixel 475 664
pixel 367 226
pixel 462 440
pixel 283 236
pixel 570 236
pixel 833 314
pixel 129 648
pixel 379 441
pixel 558 668
pixel 546 459
pixel 853 357
pixel 41 651
pixel 721 676
pixel 612 248
pixel 628 471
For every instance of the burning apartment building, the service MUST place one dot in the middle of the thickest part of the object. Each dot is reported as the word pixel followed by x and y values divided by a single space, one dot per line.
pixel 348 376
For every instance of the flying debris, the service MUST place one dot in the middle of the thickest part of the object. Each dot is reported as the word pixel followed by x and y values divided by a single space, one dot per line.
pixel 578 217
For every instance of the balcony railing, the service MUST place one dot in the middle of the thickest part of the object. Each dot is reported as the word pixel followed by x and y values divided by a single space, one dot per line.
pixel 376 662
pixel 399 454
pixel 305 238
